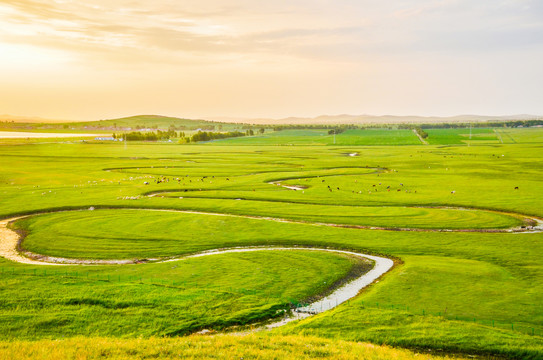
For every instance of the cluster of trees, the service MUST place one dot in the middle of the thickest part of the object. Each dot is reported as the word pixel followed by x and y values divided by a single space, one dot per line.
pixel 251 132
pixel 423 134
pixel 207 136
pixel 166 135
pixel 146 136
pixel 338 130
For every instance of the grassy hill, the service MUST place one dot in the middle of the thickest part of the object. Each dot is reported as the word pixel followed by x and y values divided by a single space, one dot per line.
pixel 155 121
pixel 121 124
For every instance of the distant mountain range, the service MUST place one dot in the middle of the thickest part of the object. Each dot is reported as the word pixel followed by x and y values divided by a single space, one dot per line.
pixel 376 119
pixel 319 120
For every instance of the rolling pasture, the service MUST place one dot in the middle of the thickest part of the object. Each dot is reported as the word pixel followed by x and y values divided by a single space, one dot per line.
pixel 321 137
pixel 467 280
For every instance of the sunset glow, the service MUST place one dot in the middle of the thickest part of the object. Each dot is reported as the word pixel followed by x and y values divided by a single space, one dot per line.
pixel 103 59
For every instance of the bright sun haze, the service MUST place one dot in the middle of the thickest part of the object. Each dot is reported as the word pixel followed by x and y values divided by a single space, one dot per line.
pixel 103 59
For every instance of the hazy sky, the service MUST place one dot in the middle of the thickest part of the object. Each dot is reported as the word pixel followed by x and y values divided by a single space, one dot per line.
pixel 107 58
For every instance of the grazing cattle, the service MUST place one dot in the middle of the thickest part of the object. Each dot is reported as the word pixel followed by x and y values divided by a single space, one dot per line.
pixel 453 192
pixel 516 187
pixel 338 188
pixel 145 183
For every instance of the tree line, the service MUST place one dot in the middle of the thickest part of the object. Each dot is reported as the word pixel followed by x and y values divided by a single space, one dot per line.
pixel 146 136
pixel 207 136
pixel 486 124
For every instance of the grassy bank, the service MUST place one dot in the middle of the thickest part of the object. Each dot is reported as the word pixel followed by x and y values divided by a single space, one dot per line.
pixel 198 347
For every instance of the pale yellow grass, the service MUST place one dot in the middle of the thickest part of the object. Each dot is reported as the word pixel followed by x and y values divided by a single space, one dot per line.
pixel 252 346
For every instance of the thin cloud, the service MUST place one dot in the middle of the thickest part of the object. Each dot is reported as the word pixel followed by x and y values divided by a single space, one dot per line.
pixel 348 52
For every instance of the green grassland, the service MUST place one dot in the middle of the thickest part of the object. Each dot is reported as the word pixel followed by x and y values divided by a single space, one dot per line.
pixel 371 136
pixel 321 137
pixel 128 234
pixel 172 298
pixel 125 234
pixel 461 136
pixel 521 135
pixel 458 292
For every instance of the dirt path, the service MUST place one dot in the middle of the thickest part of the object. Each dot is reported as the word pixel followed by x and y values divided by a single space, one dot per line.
pixel 9 240
pixel 498 136
pixel 420 137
